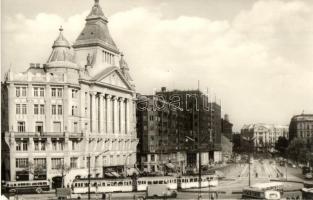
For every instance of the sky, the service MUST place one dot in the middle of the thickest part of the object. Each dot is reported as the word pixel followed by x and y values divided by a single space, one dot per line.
pixel 255 56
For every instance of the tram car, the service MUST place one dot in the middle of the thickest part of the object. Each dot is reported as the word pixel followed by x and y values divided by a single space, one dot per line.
pixel 103 185
pixel 169 181
pixel 186 182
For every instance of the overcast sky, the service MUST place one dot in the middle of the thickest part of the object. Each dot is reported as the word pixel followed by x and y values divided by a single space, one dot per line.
pixel 256 56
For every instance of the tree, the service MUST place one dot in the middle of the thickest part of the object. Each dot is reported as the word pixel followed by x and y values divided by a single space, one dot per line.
pixel 63 170
pixel 281 146
pixel 297 150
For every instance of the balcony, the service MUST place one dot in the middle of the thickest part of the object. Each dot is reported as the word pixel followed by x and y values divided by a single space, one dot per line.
pixel 36 134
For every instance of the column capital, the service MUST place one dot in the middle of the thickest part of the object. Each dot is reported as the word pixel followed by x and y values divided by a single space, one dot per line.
pixel 126 100
pixel 114 97
pixel 101 94
pixel 93 93
pixel 108 96
pixel 121 98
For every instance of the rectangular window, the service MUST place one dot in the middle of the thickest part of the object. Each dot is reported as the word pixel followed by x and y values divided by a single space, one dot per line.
pixel 18 146
pixel 43 145
pixel 42 109
pixel 74 162
pixel 25 145
pixel 40 163
pixel 36 92
pixel 24 109
pixel 42 92
pixel 60 92
pixel 54 145
pixel 18 91
pixel 75 127
pixel 36 109
pixel 74 145
pixel 60 110
pixel 18 109
pixel 36 144
pixel 21 162
pixel 61 145
pixel 74 93
pixel 57 127
pixel 21 127
pixel 57 163
pixel 54 109
pixel 24 92
pixel 53 92
pixel 39 127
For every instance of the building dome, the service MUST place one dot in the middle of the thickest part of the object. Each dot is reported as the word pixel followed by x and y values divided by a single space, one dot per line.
pixel 61 55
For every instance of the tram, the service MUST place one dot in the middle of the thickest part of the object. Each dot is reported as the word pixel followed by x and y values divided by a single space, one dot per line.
pixel 307 193
pixel 101 185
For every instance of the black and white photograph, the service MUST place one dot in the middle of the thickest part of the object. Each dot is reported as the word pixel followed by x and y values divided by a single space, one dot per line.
pixel 156 99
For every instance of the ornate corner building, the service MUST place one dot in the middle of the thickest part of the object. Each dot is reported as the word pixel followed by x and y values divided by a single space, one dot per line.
pixel 79 104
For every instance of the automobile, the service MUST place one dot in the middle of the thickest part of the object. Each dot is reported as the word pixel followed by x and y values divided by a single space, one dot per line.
pixel 308 176
pixel 157 191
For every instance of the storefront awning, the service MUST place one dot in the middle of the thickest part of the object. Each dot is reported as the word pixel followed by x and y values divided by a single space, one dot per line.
pixel 170 165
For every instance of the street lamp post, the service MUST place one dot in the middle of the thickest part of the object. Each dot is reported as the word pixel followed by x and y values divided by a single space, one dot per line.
pixel 89 169
pixel 250 140
pixel 125 172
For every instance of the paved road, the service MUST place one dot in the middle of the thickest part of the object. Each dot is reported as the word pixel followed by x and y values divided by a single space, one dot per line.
pixel 237 177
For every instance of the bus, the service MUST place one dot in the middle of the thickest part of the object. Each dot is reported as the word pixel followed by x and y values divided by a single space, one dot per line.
pixel 256 193
pixel 307 193
pixel 21 187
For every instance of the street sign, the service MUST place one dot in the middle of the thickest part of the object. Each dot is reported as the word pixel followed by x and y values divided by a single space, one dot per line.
pixel 63 192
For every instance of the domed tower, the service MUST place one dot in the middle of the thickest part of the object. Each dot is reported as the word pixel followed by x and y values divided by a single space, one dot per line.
pixel 94 48
pixel 61 59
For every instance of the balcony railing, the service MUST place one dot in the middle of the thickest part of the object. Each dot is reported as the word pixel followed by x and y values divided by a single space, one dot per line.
pixel 46 134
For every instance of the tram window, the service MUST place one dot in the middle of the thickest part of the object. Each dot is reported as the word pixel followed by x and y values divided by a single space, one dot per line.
pixel 120 183
pixel 103 183
pixel 86 184
pixel 155 182
pixel 149 182
pixel 174 181
pixel 114 183
pixel 161 182
pixel 109 184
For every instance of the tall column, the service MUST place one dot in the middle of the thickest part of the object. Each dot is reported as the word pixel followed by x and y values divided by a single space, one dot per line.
pixel 101 110
pixel 93 112
pixel 108 114
pixel 122 115
pixel 127 116
pixel 115 115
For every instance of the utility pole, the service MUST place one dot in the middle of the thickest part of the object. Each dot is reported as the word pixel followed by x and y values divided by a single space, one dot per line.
pixel 198 130
pixel 89 169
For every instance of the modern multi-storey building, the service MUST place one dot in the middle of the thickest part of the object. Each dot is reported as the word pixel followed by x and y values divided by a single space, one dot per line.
pixel 265 135
pixel 301 126
pixel 177 125
pixel 74 111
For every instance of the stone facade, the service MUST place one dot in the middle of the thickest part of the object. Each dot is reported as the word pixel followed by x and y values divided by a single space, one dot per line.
pixel 79 104
pixel 265 135
pixel 301 126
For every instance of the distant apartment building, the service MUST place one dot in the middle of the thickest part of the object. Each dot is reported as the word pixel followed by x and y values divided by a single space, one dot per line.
pixel 76 106
pixel 227 127
pixel 301 126
pixel 265 135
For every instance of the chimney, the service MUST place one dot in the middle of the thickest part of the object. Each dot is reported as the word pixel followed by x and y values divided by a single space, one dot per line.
pixel 32 64
pixel 163 89
pixel 226 118
pixel 37 65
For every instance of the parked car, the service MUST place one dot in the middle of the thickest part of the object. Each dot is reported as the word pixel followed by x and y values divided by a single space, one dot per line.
pixel 157 191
